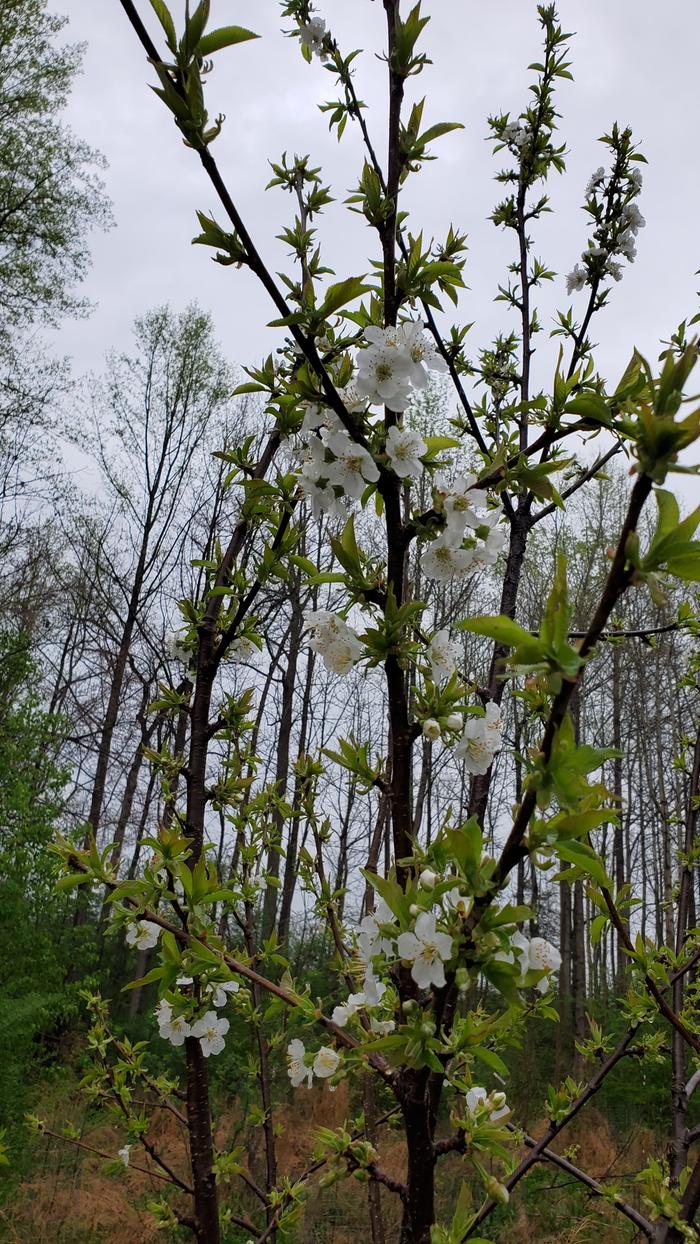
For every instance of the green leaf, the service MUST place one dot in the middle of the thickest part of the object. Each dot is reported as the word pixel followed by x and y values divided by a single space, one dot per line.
pixel 491 1059
pixel 685 562
pixel 340 294
pixel 504 978
pixel 155 974
pixel 504 630
pixel 163 14
pixel 578 823
pixel 584 857
pixel 224 37
pixel 669 514
pixel 591 408
pixel 195 27
pixel 437 443
pixel 72 881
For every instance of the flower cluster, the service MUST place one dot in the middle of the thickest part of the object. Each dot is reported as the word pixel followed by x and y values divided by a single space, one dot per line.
pixel 176 649
pixel 432 729
pixel 367 998
pixel 612 240
pixel 481 740
pixel 396 361
pixel 448 556
pixel 532 954
pixel 336 642
pixel 494 1103
pixel 210 1029
pixel 334 467
pixel 516 136
pixel 312 35
pixel 323 1066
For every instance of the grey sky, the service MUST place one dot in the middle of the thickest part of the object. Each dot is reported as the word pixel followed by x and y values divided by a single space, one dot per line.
pixel 634 61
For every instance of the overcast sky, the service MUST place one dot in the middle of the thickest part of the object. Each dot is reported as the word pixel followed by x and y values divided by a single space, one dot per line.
pixel 634 61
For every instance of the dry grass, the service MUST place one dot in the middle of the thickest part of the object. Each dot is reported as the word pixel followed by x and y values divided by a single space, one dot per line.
pixel 70 1199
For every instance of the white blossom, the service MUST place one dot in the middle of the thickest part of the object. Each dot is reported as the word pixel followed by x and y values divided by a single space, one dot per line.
pixel 442 655
pixel 243 649
pixel 124 1154
pixel 210 1031
pixel 454 721
pixel 222 991
pixel 595 181
pixel 315 417
pixel 460 503
pixel 441 561
pixel 384 371
pixel 542 956
pixel 426 949
pixel 405 448
pixel 344 1013
pixel 454 900
pixel 510 131
pixel 172 1028
pixel 314 479
pixel 326 1062
pixel 515 134
pixel 635 179
pixel 480 741
pixel 533 955
pixel 297 1069
pixel 312 34
pixel 431 729
pixel 373 988
pixel 143 935
pixel 632 217
pixel 576 279
pixel 626 245
pixel 428 879
pixel 176 649
pixel 412 339
pixel 486 552
pixel 370 940
pixel 477 1097
pixel 382 1027
pixel 336 642
pixel 353 467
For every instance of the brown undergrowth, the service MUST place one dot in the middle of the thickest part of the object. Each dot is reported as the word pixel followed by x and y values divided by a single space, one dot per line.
pixel 71 1199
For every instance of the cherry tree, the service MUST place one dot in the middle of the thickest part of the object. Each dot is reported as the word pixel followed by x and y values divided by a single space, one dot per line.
pixel 403 1023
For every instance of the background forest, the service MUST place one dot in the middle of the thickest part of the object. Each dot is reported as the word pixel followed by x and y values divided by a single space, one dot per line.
pixel 91 580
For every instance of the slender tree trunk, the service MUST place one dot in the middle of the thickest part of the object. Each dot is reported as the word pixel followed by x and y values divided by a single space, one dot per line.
pixel 678 1150
pixel 282 767
pixel 619 830
pixel 578 975
pixel 290 864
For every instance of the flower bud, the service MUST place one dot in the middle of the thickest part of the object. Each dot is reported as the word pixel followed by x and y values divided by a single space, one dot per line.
pixel 408 1006
pixel 431 729
pixel 462 979
pixel 427 879
pixel 414 909
pixel 454 721
pixel 498 1100
pixel 497 1191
